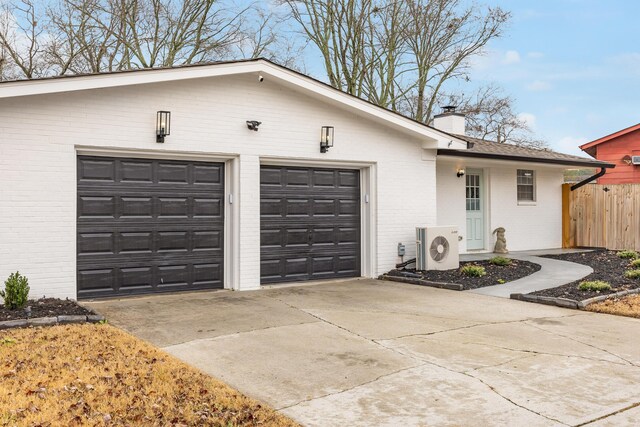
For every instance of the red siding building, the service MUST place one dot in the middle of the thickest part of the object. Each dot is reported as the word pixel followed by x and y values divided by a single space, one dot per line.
pixel 619 149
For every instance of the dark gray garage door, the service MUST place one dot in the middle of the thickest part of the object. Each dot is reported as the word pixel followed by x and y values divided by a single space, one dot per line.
pixel 309 223
pixel 147 226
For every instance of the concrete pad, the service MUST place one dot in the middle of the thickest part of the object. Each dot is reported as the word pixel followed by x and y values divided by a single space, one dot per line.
pixel 571 391
pixel 380 325
pixel 287 364
pixel 372 295
pixel 516 337
pixel 456 356
pixel 352 353
pixel 629 417
pixel 172 319
pixel 422 396
pixel 612 334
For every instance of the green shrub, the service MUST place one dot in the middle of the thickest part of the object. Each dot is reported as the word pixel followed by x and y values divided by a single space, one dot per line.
pixel 16 291
pixel 594 285
pixel 635 263
pixel 501 281
pixel 628 254
pixel 473 270
pixel 632 274
pixel 500 260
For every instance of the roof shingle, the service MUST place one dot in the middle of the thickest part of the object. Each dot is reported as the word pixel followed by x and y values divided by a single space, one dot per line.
pixel 504 151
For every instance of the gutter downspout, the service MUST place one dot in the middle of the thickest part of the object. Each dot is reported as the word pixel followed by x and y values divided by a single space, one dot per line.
pixel 603 170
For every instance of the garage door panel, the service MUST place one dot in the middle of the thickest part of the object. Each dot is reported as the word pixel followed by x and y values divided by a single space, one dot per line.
pixel 323 178
pixel 135 171
pixel 176 207
pixel 96 169
pixel 136 207
pixel 135 242
pixel 149 226
pixel 207 174
pixel 97 279
pixel 96 243
pixel 174 173
pixel 208 274
pixel 348 208
pixel 207 207
pixel 97 206
pixel 348 179
pixel 310 223
pixel 207 240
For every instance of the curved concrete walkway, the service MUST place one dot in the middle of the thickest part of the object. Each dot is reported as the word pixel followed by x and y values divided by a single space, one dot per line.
pixel 553 273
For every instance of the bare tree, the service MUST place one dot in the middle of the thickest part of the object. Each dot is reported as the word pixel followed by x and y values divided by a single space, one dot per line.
pixel 443 37
pixel 397 53
pixel 338 29
pixel 79 36
pixel 491 116
pixel 266 33
pixel 21 40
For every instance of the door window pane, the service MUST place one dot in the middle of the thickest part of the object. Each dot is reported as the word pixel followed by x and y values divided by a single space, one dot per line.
pixel 473 192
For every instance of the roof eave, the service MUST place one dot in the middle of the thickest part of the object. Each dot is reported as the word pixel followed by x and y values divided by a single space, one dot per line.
pixel 610 137
pixel 431 138
pixel 513 158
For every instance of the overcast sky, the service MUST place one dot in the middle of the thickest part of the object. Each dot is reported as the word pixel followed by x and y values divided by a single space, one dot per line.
pixel 572 65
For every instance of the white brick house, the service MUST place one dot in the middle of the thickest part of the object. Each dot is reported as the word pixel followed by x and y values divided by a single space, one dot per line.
pixel 91 205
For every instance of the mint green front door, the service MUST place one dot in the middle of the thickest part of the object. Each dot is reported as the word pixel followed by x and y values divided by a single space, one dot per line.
pixel 475 209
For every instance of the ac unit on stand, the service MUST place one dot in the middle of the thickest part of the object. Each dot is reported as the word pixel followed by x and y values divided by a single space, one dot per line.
pixel 437 248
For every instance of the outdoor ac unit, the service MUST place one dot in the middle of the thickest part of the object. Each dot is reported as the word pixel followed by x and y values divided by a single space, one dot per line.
pixel 437 248
pixel 635 160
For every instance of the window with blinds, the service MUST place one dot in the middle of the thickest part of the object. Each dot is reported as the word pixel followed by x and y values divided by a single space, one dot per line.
pixel 526 185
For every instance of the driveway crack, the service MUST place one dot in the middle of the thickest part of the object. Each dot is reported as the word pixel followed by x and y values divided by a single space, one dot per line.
pixel 542 353
pixel 587 344
pixel 422 360
pixel 351 388
pixel 619 411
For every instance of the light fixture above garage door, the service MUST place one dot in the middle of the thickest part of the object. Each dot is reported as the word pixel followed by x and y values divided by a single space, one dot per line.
pixel 326 138
pixel 163 125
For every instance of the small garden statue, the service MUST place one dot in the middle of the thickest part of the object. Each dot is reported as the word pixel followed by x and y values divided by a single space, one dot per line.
pixel 501 241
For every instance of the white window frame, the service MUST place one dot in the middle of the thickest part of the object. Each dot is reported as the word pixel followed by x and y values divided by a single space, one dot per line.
pixel 534 188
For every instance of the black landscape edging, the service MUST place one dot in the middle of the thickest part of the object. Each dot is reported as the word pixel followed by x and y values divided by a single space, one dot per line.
pixel 570 303
pixel 50 321
pixel 422 282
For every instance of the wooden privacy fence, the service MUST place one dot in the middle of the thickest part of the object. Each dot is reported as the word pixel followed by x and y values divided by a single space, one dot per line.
pixel 602 216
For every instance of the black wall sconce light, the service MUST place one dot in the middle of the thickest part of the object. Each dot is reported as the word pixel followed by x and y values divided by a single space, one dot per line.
pixel 163 125
pixel 326 138
pixel 253 125
pixel 460 173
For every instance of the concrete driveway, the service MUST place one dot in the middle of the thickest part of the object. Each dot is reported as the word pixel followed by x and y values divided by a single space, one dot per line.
pixel 365 352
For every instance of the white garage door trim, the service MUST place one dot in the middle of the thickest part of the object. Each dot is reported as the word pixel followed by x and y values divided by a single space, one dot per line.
pixel 231 270
pixel 368 202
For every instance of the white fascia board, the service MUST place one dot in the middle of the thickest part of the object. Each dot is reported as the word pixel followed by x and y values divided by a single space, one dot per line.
pixel 472 162
pixel 430 138
pixel 125 78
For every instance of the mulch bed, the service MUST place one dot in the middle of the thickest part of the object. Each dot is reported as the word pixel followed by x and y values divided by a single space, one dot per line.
pixel 45 307
pixel 607 266
pixel 495 273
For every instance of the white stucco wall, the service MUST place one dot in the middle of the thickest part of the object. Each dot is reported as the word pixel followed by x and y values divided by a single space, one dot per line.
pixel 451 208
pixel 39 136
pixel 528 226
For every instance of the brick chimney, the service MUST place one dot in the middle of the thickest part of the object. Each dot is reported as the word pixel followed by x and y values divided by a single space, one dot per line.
pixel 449 121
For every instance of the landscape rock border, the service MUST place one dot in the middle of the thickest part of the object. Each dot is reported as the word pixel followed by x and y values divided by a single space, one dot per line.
pixel 51 321
pixel 570 303
pixel 422 282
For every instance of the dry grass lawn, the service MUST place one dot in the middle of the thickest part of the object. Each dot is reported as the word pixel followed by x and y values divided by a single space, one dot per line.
pixel 79 375
pixel 625 306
